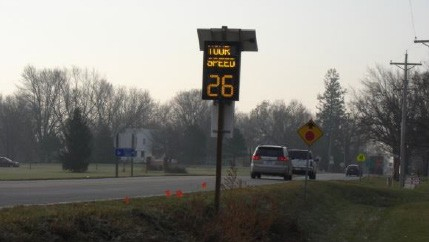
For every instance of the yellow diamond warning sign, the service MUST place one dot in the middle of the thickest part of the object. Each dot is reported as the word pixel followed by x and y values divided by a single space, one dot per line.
pixel 310 132
pixel 361 157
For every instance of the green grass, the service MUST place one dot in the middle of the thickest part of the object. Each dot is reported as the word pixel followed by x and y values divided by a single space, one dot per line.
pixel 211 170
pixel 409 223
pixel 34 171
pixel 54 171
pixel 371 211
pixel 364 210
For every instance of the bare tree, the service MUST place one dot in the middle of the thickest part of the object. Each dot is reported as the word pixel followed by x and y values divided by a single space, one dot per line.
pixel 138 108
pixel 79 91
pixel 133 108
pixel 182 128
pixel 42 90
pixel 166 138
pixel 115 109
pixel 16 134
pixel 189 109
pixel 259 124
pixel 104 97
pixel 379 113
pixel 418 112
pixel 274 123
pixel 378 109
pixel 53 94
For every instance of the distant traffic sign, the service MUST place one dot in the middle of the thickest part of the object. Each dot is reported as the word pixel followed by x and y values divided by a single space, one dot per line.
pixel 310 132
pixel 361 157
pixel 125 152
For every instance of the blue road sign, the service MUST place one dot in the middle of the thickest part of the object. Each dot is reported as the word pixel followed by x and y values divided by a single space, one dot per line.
pixel 125 152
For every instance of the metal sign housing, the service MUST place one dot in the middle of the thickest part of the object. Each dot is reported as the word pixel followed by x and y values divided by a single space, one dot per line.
pixel 228 119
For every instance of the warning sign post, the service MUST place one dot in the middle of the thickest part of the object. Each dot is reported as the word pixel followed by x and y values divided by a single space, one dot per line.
pixel 309 133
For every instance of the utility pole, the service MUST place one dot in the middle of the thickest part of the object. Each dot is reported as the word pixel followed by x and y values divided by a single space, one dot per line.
pixel 407 66
pixel 425 42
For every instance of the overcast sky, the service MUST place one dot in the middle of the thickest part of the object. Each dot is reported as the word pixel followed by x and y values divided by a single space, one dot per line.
pixel 153 45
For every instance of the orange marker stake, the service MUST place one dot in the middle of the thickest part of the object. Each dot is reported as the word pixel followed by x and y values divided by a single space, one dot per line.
pixel 126 200
pixel 204 185
pixel 179 194
pixel 167 193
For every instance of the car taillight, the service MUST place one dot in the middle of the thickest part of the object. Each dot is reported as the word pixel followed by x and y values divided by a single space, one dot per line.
pixel 256 157
pixel 282 158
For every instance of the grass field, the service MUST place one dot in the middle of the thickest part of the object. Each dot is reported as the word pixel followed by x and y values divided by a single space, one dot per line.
pixel 356 210
pixel 34 171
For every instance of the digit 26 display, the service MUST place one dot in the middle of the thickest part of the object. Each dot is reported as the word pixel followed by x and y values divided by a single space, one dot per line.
pixel 221 71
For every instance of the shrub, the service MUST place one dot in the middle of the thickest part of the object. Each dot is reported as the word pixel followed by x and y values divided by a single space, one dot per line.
pixel 175 169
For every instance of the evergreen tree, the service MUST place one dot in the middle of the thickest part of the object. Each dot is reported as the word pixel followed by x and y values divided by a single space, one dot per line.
pixel 77 150
pixel 103 149
pixel 330 116
pixel 49 147
pixel 236 146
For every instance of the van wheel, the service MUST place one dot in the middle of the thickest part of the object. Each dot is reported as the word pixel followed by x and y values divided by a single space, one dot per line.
pixel 253 175
pixel 312 176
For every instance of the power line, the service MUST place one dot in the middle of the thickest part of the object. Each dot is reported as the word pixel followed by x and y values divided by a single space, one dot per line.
pixel 412 19
pixel 425 42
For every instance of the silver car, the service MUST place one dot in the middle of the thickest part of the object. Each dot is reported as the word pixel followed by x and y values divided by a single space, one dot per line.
pixel 6 162
pixel 271 160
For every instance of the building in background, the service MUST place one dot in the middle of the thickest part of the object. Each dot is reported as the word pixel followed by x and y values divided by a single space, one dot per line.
pixel 138 139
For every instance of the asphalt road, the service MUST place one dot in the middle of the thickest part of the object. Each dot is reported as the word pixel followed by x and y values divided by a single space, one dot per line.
pixel 14 193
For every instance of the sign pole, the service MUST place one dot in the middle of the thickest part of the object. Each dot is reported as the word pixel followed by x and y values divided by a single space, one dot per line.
pixel 361 159
pixel 117 167
pixel 133 145
pixel 219 154
pixel 219 142
pixel 306 173
pixel 117 158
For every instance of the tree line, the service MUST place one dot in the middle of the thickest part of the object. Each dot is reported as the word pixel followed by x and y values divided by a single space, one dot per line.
pixel 35 119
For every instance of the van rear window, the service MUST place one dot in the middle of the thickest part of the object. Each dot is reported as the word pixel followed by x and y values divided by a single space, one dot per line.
pixel 269 151
pixel 299 154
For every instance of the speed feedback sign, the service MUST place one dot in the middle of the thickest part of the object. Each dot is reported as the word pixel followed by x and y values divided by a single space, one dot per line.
pixel 221 70
pixel 310 132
